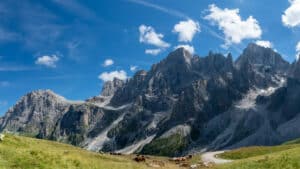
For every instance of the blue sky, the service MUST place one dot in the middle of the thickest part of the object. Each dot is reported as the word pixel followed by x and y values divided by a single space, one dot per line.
pixel 72 46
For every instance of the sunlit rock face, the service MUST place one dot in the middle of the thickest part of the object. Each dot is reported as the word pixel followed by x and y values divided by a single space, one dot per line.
pixel 188 103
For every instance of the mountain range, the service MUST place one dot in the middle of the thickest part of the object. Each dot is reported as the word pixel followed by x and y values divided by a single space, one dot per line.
pixel 183 104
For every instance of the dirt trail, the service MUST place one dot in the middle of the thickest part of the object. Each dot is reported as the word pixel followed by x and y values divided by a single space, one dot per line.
pixel 211 157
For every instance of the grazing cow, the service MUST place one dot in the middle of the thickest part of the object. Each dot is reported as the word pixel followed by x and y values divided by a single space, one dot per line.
pixel 115 154
pixel 178 159
pixel 139 158
pixel 2 137
pixel 189 156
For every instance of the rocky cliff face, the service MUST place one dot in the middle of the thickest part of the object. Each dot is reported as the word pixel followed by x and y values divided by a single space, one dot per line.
pixel 182 104
pixel 110 87
pixel 263 59
pixel 35 113
pixel 44 114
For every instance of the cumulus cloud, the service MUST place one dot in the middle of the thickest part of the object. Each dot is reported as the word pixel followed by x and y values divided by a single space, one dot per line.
pixel 109 76
pixel 133 68
pixel 108 62
pixel 234 28
pixel 149 36
pixel 153 52
pixel 291 16
pixel 265 44
pixel 186 30
pixel 189 48
pixel 49 61
pixel 298 50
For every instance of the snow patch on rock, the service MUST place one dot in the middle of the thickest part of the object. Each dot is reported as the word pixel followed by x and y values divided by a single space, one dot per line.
pixel 158 117
pixel 249 100
pixel 136 146
pixel 97 143
pixel 183 130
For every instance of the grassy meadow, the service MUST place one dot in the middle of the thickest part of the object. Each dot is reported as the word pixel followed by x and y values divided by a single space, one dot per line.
pixel 17 152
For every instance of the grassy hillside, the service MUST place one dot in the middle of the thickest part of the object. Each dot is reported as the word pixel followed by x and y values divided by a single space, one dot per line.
pixel 247 152
pixel 27 153
pixel 286 156
pixel 297 141
pixel 18 152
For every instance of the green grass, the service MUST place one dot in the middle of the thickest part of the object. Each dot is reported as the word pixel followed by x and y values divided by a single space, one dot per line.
pixel 287 159
pixel 286 156
pixel 18 152
pixel 297 141
pixel 166 146
pixel 247 152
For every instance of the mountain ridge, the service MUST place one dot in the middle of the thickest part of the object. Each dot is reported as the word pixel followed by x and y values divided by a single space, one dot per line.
pixel 208 103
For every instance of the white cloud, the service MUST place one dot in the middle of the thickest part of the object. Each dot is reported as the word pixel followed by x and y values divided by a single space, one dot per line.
pixel 109 76
pixel 153 52
pixel 234 28
pixel 189 48
pixel 108 62
pixel 265 44
pixel 181 15
pixel 298 50
pixel 186 30
pixel 291 16
pixel 49 61
pixel 133 68
pixel 298 47
pixel 149 36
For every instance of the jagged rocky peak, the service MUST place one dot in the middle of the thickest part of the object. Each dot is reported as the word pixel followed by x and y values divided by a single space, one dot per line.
pixel 216 59
pixel 32 109
pixel 294 71
pixel 140 76
pixel 260 56
pixel 38 95
pixel 180 55
pixel 110 87
pixel 41 98
pixel 214 63
pixel 230 58
pixel 141 73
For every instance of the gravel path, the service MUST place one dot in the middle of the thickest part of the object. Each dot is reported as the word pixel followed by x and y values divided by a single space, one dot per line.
pixel 211 157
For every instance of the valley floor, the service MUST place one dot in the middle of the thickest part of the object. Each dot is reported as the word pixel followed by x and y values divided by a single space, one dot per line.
pixel 18 152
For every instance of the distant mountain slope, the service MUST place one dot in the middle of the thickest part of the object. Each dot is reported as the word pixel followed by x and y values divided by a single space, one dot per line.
pixel 206 103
